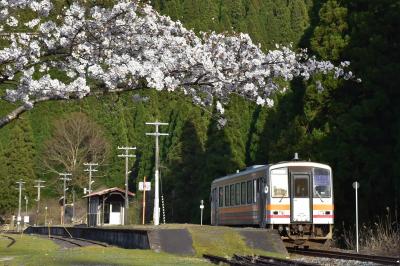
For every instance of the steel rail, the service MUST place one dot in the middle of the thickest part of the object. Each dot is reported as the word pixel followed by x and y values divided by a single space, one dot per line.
pixel 12 240
pixel 344 255
pixel 74 240
pixel 217 260
pixel 255 260
pixel 265 260
pixel 66 240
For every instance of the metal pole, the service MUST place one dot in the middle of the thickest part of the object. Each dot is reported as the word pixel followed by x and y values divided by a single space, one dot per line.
pixel 357 217
pixel 156 211
pixel 26 205
pixel 73 206
pixel 356 185
pixel 201 211
pixel 144 199
pixel 45 216
pixel 156 185
pixel 19 204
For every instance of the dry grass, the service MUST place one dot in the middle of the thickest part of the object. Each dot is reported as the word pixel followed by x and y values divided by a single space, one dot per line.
pixel 380 238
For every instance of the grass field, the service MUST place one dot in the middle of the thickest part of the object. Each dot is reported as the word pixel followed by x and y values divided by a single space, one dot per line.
pixel 34 250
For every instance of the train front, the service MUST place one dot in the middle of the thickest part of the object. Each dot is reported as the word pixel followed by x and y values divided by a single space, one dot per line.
pixel 299 201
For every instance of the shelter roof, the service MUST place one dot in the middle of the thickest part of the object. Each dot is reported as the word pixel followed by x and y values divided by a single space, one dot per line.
pixel 108 191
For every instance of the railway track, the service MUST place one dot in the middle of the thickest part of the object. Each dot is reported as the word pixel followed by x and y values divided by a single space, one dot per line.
pixel 12 240
pixel 344 255
pixel 79 242
pixel 251 261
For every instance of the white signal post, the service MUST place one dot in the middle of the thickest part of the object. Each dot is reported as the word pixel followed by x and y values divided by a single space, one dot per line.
pixel 126 156
pixel 201 211
pixel 156 212
pixel 356 185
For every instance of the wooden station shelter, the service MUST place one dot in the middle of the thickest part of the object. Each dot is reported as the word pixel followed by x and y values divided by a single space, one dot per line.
pixel 106 207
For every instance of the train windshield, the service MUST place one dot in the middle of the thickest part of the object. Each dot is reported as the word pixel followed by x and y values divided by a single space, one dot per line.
pixel 322 183
pixel 279 182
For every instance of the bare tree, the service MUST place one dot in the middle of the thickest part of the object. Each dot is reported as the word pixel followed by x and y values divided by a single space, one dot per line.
pixel 76 140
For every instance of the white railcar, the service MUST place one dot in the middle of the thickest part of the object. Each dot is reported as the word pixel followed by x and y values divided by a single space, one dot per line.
pixel 294 197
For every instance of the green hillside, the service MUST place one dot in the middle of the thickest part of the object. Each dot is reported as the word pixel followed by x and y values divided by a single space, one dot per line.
pixel 352 127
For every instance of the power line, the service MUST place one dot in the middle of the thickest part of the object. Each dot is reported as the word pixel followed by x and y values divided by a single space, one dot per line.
pixel 65 179
pixel 126 156
pixel 156 212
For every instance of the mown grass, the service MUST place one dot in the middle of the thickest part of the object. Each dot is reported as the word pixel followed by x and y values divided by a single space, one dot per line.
pixel 34 250
pixel 223 241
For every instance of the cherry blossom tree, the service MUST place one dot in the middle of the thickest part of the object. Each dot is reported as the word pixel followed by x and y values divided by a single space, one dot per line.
pixel 129 46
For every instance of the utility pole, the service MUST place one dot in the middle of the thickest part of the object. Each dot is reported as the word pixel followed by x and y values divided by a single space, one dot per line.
pixel 20 184
pixel 38 186
pixel 90 170
pixel 73 206
pixel 26 205
pixel 156 212
pixel 126 156
pixel 65 179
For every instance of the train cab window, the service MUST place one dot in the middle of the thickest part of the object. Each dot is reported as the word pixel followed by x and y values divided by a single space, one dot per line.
pixel 226 195
pixel 322 183
pixel 221 197
pixel 232 188
pixel 243 190
pixel 249 192
pixel 279 182
pixel 237 196
pixel 300 186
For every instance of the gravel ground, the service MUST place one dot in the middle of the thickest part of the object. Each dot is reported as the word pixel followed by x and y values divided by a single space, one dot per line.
pixel 330 261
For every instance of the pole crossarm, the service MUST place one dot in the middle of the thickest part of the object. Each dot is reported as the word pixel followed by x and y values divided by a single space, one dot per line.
pixel 156 212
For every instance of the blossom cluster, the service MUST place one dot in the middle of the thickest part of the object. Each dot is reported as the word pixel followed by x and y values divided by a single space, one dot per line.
pixel 130 44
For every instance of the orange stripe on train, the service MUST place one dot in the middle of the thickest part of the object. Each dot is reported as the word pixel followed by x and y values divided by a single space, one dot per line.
pixel 280 207
pixel 323 207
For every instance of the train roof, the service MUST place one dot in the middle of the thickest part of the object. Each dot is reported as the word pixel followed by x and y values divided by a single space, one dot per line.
pixel 256 168
pixel 248 170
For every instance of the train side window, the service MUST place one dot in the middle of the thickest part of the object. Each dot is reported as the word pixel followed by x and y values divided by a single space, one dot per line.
pixel 322 183
pixel 243 197
pixel 221 197
pixel 232 195
pixel 237 196
pixel 226 195
pixel 249 192
pixel 279 183
pixel 254 190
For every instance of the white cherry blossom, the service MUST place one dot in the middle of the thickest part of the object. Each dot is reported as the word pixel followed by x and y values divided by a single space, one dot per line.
pixel 129 46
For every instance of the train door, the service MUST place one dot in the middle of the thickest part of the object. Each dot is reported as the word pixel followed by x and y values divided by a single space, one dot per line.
pixel 300 198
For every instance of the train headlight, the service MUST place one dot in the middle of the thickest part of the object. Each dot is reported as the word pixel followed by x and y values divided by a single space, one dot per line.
pixel 266 189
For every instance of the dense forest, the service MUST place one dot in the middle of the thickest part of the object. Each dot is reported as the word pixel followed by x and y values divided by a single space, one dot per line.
pixel 354 127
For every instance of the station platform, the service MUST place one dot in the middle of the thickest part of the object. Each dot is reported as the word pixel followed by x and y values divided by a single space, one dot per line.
pixel 181 239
